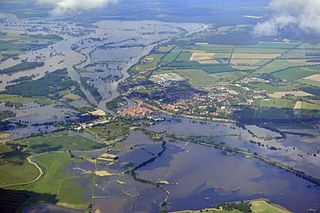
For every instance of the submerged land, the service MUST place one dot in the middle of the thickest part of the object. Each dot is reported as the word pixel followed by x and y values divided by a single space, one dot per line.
pixel 139 115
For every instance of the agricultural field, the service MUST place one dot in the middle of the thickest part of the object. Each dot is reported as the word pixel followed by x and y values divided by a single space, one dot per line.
pixel 111 131
pixel 277 103
pixel 48 86
pixel 13 44
pixel 14 167
pixel 58 141
pixel 315 77
pixel 294 73
pixel 40 164
pixel 21 67
pixel 97 114
pixel 19 100
pixel 262 72
pixel 263 57
pixel 67 189
pixel 289 93
pixel 270 88
pixel 196 77
pixel 6 114
pixel 255 206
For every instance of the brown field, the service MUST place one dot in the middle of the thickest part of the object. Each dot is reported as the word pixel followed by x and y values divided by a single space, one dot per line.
pixel 298 105
pixel 297 61
pixel 103 173
pixel 292 93
pixel 201 56
pixel 315 77
pixel 209 62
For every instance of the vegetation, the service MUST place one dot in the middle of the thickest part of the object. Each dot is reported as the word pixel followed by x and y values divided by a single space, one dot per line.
pixel 256 206
pixel 54 165
pixel 20 43
pixel 198 78
pixel 57 141
pixel 111 131
pixel 48 86
pixel 6 114
pixel 21 67
pixel 277 103
pixel 53 153
pixel 292 74
pixel 14 166
pixel 91 88
pixel 116 103
pixel 262 206
pixel 73 194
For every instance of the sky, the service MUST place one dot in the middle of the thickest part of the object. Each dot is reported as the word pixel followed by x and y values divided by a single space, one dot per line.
pixel 300 14
pixel 303 15
pixel 62 7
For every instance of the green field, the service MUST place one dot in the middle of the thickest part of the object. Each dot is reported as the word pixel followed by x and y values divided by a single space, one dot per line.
pixel 54 165
pixel 256 206
pixel 21 67
pixel 164 49
pixel 58 141
pixel 274 88
pixel 261 206
pixel 213 48
pixel 51 84
pixel 310 106
pixel 14 167
pixel 277 103
pixel 14 99
pixel 13 44
pixel 111 131
pixel 273 45
pixel 258 50
pixel 64 187
pixel 144 67
pixel 309 82
pixel 196 77
pixel 275 65
pixel 6 114
pixel 292 74
pixel 184 56
pixel 227 76
pixel 56 185
pixel 72 193
pixel 172 55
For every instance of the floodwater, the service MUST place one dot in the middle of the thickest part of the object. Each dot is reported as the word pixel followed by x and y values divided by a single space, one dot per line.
pixel 298 151
pixel 119 44
pixel 195 177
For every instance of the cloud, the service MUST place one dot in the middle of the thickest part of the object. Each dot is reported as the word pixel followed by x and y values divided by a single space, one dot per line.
pixel 302 14
pixel 62 7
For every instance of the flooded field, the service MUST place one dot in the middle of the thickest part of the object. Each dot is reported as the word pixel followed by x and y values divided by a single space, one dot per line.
pixel 114 45
pixel 301 152
pixel 190 176
pixel 180 171
pixel 96 58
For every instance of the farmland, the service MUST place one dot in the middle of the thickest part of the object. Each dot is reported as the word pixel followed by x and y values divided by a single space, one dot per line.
pixel 13 44
pixel 107 115
pixel 21 67
pixel 58 141
pixel 55 182
pixel 48 156
pixel 255 206
pixel 43 87
pixel 14 167
pixel 111 131
pixel 261 71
